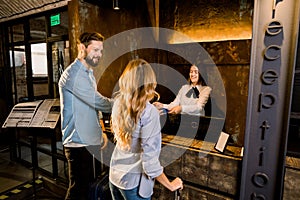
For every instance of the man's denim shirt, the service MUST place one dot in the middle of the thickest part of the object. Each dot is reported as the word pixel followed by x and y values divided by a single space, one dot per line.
pixel 80 102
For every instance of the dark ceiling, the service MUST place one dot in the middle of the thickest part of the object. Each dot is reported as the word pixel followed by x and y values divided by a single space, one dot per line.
pixel 12 9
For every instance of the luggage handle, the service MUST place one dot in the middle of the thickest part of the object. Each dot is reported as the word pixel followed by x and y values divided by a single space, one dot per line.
pixel 177 194
pixel 94 166
pixel 101 163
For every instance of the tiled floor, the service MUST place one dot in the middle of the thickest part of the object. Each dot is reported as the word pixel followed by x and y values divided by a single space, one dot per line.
pixel 12 174
pixel 16 181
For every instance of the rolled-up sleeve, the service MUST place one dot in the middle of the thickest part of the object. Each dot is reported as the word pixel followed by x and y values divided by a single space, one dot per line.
pixel 151 143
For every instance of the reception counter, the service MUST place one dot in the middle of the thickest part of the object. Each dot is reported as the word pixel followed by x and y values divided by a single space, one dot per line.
pixel 207 173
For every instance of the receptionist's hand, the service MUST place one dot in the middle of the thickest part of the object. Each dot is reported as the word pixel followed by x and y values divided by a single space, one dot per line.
pixel 175 110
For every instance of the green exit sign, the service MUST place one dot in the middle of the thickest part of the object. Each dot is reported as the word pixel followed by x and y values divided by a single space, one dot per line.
pixel 55 20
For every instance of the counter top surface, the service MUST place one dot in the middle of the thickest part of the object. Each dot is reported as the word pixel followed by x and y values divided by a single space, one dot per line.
pixel 200 145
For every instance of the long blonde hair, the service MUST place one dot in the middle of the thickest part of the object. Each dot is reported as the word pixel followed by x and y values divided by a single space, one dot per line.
pixel 137 86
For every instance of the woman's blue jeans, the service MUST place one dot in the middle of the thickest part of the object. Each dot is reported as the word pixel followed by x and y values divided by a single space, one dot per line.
pixel 119 194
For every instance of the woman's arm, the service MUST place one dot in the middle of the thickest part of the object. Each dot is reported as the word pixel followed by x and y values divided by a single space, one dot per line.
pixel 204 95
pixel 177 100
pixel 173 185
pixel 151 146
pixel 175 104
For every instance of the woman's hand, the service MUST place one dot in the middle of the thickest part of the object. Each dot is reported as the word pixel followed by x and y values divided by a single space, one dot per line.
pixel 173 185
pixel 175 110
pixel 176 184
pixel 158 105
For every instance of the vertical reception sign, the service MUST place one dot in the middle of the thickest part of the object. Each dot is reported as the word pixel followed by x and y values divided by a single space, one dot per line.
pixel 275 33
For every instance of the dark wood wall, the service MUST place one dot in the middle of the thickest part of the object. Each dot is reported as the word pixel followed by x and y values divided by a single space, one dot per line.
pixel 232 57
pixel 193 18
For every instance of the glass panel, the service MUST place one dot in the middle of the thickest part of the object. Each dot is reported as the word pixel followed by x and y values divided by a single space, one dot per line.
pixel 39 59
pixel 62 169
pixel 45 162
pixel 9 34
pixel 59 23
pixel 18 60
pixel 40 88
pixel 25 153
pixel 60 57
pixel 37 28
pixel 18 33
pixel 39 70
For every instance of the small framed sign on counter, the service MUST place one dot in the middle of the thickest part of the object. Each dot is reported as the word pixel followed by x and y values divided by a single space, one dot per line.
pixel 220 146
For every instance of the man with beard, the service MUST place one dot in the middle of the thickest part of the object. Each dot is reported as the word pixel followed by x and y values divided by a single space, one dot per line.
pixel 80 105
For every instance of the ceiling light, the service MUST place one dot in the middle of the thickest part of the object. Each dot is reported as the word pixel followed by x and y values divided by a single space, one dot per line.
pixel 116 5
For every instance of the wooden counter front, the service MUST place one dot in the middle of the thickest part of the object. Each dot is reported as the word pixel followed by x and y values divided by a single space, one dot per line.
pixel 206 173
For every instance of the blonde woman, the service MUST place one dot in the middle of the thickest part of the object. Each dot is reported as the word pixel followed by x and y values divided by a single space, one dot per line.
pixel 136 126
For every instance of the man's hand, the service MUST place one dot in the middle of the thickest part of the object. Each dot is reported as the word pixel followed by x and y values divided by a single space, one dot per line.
pixel 105 140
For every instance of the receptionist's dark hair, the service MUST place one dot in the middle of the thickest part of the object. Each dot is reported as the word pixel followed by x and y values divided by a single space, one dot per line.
pixel 201 80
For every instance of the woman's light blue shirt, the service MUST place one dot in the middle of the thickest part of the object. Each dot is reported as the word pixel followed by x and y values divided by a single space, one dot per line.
pixel 143 157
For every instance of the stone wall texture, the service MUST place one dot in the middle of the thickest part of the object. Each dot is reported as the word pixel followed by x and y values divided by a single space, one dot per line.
pixel 206 173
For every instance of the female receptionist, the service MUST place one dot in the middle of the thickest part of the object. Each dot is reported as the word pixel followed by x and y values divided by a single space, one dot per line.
pixel 191 98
